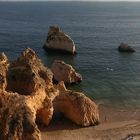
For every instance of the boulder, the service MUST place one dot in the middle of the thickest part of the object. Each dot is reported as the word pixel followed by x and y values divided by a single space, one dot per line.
pixel 123 47
pixel 65 72
pixel 76 106
pixel 58 40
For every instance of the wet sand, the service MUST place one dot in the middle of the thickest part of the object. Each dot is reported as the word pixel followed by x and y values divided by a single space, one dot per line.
pixel 115 124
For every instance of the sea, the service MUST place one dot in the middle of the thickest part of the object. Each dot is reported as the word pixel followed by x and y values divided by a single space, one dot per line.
pixel 97 28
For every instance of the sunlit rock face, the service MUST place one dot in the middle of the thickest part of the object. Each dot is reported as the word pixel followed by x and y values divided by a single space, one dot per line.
pixel 27 96
pixel 4 64
pixel 24 73
pixel 58 40
pixel 65 72
pixel 123 47
pixel 19 111
pixel 76 106
pixel 17 118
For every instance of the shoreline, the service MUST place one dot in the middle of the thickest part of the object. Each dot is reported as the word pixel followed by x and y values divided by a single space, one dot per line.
pixel 115 124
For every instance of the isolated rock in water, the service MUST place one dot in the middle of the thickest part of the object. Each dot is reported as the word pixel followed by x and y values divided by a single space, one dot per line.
pixel 58 40
pixel 4 63
pixel 65 72
pixel 125 48
pixel 76 106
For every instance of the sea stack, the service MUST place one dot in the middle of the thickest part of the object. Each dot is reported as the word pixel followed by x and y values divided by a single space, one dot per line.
pixel 65 72
pixel 124 47
pixel 60 41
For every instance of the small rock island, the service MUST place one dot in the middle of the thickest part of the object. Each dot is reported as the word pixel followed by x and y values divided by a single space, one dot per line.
pixel 60 41
pixel 123 47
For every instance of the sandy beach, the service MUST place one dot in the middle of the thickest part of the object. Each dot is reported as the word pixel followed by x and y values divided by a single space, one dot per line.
pixel 115 124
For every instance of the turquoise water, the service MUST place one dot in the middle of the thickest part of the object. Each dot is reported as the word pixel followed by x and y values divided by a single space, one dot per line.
pixel 97 29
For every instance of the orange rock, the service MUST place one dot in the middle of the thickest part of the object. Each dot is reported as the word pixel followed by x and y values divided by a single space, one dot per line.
pixel 17 118
pixel 27 96
pixel 26 71
pixel 4 63
pixel 65 72
pixel 32 82
pixel 76 106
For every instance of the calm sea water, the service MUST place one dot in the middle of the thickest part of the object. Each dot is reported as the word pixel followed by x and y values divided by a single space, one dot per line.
pixel 97 29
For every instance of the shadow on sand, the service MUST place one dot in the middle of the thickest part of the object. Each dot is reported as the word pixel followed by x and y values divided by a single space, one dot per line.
pixel 59 122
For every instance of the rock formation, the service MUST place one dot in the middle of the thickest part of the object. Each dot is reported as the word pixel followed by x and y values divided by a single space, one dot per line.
pixel 17 117
pixel 123 47
pixel 26 71
pixel 18 113
pixel 4 63
pixel 76 106
pixel 27 96
pixel 65 72
pixel 58 40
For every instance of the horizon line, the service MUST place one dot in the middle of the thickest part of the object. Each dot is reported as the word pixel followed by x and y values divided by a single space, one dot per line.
pixel 69 1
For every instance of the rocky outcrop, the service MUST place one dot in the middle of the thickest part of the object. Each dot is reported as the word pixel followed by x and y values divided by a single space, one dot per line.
pixel 19 111
pixel 58 40
pixel 27 96
pixel 17 117
pixel 4 64
pixel 123 47
pixel 76 106
pixel 65 72
pixel 26 71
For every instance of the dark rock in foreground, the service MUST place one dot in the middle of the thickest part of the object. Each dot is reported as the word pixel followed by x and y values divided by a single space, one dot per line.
pixel 123 47
pixel 60 41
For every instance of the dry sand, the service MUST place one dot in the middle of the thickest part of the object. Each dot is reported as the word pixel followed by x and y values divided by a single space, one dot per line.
pixel 116 124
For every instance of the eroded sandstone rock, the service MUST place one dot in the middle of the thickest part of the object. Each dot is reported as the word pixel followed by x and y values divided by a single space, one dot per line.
pixel 65 72
pixel 23 73
pixel 76 106
pixel 4 63
pixel 33 82
pixel 58 40
pixel 17 118
pixel 27 96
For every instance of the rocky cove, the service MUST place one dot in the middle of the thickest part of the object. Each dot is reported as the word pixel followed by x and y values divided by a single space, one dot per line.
pixel 28 95
pixel 31 94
